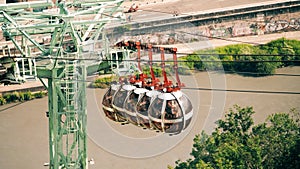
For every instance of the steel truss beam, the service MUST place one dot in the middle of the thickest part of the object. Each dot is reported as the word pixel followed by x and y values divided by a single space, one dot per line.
pixel 66 78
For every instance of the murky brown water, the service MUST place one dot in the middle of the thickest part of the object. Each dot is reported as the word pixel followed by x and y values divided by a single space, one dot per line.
pixel 24 127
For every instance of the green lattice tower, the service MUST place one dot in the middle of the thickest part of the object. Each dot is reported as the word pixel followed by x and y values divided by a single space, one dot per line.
pixel 62 60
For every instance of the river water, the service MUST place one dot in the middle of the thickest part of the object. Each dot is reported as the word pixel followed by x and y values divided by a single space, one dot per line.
pixel 24 126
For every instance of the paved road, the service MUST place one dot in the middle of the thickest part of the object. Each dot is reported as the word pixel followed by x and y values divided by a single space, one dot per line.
pixel 255 39
pixel 166 9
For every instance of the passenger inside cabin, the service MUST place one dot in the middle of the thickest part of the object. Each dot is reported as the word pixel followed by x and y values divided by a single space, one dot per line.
pixel 108 98
pixel 171 109
pixel 144 105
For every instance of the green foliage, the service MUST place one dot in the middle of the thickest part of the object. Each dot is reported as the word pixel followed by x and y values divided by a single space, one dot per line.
pixel 287 50
pixel 194 62
pixel 39 95
pixel 122 29
pixel 28 96
pixel 102 82
pixel 279 138
pixel 156 69
pixel 2 101
pixel 283 47
pixel 20 97
pixel 11 97
pixel 184 71
pixel 237 121
pixel 237 143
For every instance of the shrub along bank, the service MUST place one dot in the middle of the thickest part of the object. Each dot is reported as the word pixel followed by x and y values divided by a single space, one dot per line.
pixel 259 60
pixel 20 96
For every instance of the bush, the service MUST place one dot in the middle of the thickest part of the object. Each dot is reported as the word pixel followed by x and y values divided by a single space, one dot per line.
pixel 184 71
pixel 156 69
pixel 238 58
pixel 11 97
pixel 193 62
pixel 21 97
pixel 39 95
pixel 28 96
pixel 7 97
pixel 2 101
pixel 102 82
pixel 169 69
pixel 99 85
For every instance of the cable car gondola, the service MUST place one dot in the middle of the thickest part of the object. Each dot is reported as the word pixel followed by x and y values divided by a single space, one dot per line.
pixel 125 100
pixel 131 105
pixel 118 102
pixel 150 104
pixel 145 95
pixel 135 96
pixel 107 101
pixel 171 111
pixel 114 98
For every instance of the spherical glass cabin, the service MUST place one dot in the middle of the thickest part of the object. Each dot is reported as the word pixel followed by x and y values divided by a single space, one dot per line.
pixel 143 107
pixel 107 101
pixel 131 104
pixel 118 102
pixel 171 112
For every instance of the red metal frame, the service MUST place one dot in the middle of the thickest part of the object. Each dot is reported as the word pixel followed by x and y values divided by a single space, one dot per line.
pixel 179 84
pixel 167 83
pixel 141 77
pixel 155 81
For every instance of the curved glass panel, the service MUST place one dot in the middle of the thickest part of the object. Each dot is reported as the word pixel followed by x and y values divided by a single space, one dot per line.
pixel 155 110
pixel 143 105
pixel 107 98
pixel 173 121
pixel 186 103
pixel 107 104
pixel 130 107
pixel 188 108
pixel 142 111
pixel 172 110
pixel 118 102
pixel 119 98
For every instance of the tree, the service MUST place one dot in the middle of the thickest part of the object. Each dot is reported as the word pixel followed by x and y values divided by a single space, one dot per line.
pixel 279 138
pixel 237 143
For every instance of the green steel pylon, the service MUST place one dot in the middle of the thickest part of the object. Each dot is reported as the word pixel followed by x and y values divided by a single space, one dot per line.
pixel 77 25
